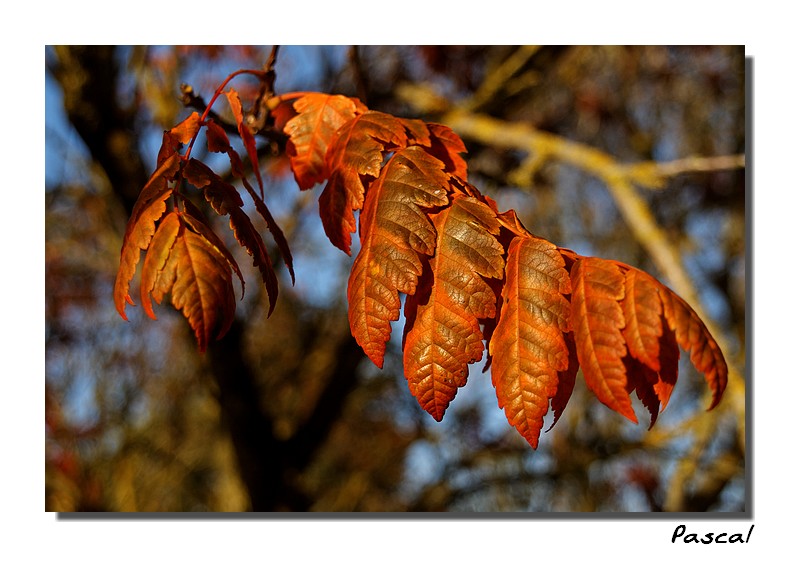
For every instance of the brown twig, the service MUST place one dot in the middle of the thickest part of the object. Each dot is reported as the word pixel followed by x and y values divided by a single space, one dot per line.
pixel 259 117
pixel 191 99
pixel 360 78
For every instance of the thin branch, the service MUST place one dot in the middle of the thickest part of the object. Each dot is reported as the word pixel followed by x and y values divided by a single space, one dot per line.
pixel 259 117
pixel 654 175
pixel 360 77
pixel 191 99
pixel 500 76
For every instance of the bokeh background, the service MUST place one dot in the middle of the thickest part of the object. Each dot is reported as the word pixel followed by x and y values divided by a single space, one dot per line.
pixel 285 413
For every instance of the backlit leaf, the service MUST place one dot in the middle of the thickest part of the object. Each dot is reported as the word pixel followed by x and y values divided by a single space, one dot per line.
pixel 310 132
pixel 148 209
pixel 395 231
pixel 245 133
pixel 448 147
pixel 443 330
pixel 355 154
pixel 598 286
pixel 196 275
pixel 528 348
pixel 693 336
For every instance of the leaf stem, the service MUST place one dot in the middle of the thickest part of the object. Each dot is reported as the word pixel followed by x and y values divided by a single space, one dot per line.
pixel 260 73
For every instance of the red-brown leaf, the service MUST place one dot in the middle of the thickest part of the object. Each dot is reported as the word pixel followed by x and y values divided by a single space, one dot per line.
pixel 394 231
pixel 225 200
pixel 356 151
pixel 417 132
pixel 669 355
pixel 443 330
pixel 566 380
pixel 237 167
pixel 216 138
pixel 178 136
pixel 642 380
pixel 150 206
pixel 652 369
pixel 194 220
pixel 598 287
pixel 247 136
pixel 528 348
pixel 311 131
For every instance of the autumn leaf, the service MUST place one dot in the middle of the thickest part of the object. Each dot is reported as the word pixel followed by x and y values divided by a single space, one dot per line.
pixel 218 142
pixel 356 152
pixel 394 231
pixel 471 274
pixel 311 131
pixel 194 220
pixel 150 207
pixel 641 307
pixel 447 146
pixel 216 138
pixel 196 275
pixel 647 343
pixel 566 380
pixel 693 336
pixel 225 200
pixel 245 133
pixel 598 286
pixel 443 317
pixel 528 348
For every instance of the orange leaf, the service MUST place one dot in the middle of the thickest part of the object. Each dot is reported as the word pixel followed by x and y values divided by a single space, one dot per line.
pixel 693 336
pixel 416 131
pixel 668 355
pixel 149 207
pixel 597 320
pixel 652 371
pixel 443 331
pixel 282 111
pixel 357 150
pixel 448 147
pixel 528 347
pixel 311 131
pixel 193 219
pixel 181 134
pixel 394 232
pixel 182 262
pixel 642 309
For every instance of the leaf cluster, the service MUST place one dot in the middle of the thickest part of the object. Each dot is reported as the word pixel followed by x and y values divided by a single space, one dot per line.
pixel 477 282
